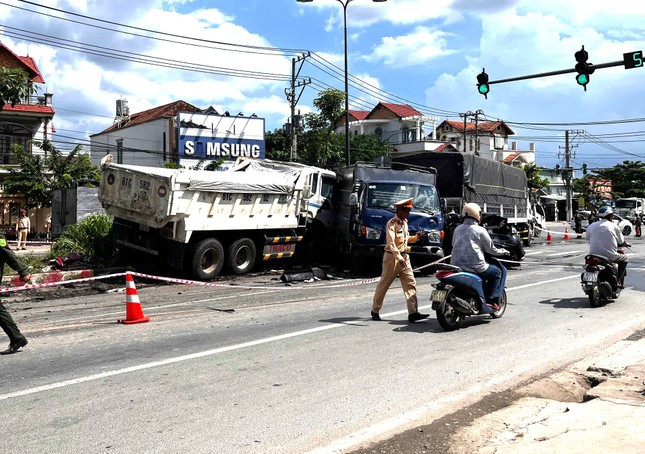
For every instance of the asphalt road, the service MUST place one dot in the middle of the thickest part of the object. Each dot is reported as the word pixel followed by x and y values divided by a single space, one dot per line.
pixel 284 369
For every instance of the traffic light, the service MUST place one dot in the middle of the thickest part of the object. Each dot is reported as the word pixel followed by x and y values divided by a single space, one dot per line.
pixel 557 168
pixel 482 83
pixel 584 169
pixel 583 68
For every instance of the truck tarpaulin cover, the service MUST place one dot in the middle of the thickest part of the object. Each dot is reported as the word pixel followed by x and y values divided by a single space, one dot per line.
pixel 475 179
pixel 249 182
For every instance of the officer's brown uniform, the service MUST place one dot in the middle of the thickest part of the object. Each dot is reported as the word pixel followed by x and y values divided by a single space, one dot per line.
pixel 396 242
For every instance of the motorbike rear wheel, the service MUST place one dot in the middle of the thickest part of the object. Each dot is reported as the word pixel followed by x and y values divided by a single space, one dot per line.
pixel 502 307
pixel 595 297
pixel 448 317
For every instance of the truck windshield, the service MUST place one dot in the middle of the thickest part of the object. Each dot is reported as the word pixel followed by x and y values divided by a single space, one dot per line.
pixel 385 195
pixel 625 203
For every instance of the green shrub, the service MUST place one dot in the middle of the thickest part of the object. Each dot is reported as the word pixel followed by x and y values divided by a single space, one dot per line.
pixel 92 237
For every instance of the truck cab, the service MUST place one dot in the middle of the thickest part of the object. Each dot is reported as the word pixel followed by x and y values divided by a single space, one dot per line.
pixel 368 193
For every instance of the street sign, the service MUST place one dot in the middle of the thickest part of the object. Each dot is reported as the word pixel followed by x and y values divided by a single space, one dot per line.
pixel 633 59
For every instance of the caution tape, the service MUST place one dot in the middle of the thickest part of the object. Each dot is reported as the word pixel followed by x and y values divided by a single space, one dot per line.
pixel 553 232
pixel 57 283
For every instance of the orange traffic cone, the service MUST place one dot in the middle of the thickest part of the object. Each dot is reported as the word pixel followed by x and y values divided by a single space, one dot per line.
pixel 133 312
pixel 549 238
pixel 566 234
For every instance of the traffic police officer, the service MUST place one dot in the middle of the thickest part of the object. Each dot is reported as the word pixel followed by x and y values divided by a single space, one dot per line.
pixel 396 262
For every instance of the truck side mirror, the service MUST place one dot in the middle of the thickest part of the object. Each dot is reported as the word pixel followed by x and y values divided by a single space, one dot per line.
pixel 353 199
pixel 444 205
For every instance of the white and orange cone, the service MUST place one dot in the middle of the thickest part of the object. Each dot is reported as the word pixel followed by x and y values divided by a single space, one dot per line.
pixel 566 234
pixel 133 312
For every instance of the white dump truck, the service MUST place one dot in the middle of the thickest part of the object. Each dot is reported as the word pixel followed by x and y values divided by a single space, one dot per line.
pixel 203 221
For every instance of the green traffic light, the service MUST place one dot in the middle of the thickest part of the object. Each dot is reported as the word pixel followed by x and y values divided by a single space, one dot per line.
pixel 483 88
pixel 582 79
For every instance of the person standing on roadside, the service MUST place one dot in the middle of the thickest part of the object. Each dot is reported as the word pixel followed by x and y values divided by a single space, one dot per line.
pixel 22 228
pixel 396 262
pixel 17 340
pixel 637 224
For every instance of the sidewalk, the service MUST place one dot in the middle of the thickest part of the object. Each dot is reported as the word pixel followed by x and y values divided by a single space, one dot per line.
pixel 596 405
pixel 609 418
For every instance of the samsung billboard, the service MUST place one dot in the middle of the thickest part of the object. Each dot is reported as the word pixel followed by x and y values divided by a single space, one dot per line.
pixel 213 137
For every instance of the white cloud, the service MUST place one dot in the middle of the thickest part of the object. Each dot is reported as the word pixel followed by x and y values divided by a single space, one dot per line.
pixel 416 48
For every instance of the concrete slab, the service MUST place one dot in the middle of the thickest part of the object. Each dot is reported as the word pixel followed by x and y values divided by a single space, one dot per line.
pixel 626 389
pixel 540 425
pixel 628 353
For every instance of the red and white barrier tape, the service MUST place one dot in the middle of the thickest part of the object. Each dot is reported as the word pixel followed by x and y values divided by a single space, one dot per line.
pixel 553 232
pixel 54 284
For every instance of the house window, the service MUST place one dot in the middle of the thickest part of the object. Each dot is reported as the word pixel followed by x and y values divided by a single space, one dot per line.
pixel 405 134
pixel 119 151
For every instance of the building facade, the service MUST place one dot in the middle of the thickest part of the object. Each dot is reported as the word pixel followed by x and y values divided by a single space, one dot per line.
pixel 147 138
pixel 29 120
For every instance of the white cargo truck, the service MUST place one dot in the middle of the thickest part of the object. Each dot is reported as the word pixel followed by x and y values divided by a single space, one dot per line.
pixel 203 221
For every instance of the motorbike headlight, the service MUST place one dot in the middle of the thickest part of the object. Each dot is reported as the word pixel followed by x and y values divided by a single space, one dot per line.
pixel 370 233
pixel 513 230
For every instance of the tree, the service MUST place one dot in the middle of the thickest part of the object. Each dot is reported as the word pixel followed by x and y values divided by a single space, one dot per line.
pixel 627 179
pixel 278 145
pixel 39 176
pixel 14 86
pixel 533 178
pixel 320 145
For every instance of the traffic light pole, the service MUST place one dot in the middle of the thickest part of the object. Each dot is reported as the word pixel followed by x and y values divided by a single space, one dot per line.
pixel 556 73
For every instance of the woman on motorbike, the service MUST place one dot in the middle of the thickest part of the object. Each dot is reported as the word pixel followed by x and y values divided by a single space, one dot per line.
pixel 469 243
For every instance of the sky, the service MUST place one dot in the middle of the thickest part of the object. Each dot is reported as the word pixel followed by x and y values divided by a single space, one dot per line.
pixel 236 55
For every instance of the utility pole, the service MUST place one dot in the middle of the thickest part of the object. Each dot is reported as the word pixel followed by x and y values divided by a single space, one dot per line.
pixel 293 101
pixel 465 116
pixel 567 165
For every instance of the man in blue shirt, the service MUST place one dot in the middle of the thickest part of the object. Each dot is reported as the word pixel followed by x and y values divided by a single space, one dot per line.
pixel 469 243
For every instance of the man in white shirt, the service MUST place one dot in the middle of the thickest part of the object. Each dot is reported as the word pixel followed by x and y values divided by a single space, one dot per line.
pixel 604 239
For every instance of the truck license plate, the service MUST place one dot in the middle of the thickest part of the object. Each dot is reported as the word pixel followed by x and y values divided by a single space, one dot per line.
pixel 590 276
pixel 439 296
pixel 277 248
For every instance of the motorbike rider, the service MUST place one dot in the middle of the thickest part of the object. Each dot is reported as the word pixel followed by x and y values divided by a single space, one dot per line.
pixel 469 243
pixel 605 237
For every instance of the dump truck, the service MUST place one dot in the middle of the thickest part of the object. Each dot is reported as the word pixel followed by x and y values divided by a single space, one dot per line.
pixel 204 222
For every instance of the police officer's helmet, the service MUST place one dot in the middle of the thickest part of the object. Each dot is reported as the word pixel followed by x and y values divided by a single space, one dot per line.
pixel 605 211
pixel 472 210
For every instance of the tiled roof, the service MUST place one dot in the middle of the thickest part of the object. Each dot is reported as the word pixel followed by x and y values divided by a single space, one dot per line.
pixel 483 126
pixel 512 157
pixel 166 111
pixel 402 110
pixel 358 114
pixel 38 78
pixel 32 108
pixel 30 64
pixel 442 147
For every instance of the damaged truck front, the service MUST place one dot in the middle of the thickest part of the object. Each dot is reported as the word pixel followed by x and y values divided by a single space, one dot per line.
pixel 203 221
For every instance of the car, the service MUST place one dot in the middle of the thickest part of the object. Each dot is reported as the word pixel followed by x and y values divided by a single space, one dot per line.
pixel 624 224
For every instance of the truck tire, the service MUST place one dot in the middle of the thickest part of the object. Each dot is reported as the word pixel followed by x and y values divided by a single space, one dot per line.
pixel 207 259
pixel 241 256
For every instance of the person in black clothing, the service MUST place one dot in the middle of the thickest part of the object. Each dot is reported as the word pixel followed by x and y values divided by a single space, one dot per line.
pixel 16 339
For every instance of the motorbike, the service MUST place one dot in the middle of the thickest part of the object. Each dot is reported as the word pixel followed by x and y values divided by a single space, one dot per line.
pixel 501 233
pixel 600 279
pixel 460 294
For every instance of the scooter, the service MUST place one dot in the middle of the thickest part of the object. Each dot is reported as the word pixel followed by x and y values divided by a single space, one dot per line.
pixel 460 294
pixel 600 279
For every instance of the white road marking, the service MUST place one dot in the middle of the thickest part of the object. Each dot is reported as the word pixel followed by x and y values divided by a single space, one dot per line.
pixel 535 252
pixel 215 351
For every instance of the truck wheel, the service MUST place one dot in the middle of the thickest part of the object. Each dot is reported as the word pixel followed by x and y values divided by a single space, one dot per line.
pixel 207 259
pixel 529 240
pixel 627 230
pixel 241 255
